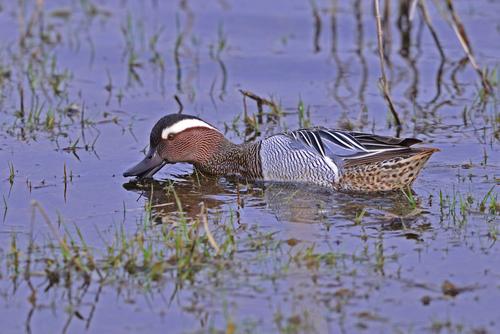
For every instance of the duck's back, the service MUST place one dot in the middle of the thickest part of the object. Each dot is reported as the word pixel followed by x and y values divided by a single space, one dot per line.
pixel 285 158
pixel 342 160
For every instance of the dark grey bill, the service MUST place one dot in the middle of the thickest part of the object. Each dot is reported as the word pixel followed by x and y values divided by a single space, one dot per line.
pixel 151 164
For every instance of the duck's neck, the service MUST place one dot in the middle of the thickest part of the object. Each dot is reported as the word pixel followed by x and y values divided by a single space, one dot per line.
pixel 233 159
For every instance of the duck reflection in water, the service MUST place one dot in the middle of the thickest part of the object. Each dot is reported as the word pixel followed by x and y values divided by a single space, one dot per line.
pixel 286 202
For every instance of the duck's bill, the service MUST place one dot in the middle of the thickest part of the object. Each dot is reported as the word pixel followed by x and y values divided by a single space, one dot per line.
pixel 151 164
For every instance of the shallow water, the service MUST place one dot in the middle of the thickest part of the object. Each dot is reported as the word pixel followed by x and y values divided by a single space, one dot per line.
pixel 81 85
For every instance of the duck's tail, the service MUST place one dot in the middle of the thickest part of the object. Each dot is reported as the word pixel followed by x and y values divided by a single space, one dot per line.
pixel 388 170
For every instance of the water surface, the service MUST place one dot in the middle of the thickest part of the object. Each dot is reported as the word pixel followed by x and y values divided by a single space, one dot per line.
pixel 81 85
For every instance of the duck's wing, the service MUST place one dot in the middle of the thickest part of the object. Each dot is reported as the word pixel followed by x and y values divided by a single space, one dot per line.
pixel 376 142
pixel 353 147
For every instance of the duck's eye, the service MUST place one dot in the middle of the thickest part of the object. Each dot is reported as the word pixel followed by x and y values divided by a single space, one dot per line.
pixel 170 136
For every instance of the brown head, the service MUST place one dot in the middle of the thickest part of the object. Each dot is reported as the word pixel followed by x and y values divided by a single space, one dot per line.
pixel 178 138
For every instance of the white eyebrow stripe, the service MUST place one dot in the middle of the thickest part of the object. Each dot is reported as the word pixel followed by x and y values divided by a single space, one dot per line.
pixel 184 125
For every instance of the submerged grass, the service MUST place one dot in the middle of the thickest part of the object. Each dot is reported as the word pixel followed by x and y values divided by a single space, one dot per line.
pixel 39 79
pixel 12 173
pixel 457 207
pixel 192 252
pixel 149 253
pixel 408 193
pixel 5 208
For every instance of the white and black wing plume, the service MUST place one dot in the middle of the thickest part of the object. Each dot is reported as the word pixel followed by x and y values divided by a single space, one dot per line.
pixel 344 145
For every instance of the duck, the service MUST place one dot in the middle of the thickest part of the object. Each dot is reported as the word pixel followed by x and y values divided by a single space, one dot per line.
pixel 340 160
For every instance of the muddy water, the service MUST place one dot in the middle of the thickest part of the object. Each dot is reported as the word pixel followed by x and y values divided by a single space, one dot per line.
pixel 81 85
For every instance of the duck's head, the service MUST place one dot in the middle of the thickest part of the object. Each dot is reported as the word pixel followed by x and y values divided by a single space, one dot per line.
pixel 177 138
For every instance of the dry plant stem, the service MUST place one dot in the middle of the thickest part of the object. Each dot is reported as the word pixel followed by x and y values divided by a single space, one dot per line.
pixel 179 104
pixel 459 30
pixel 385 22
pixel 317 26
pixel 383 79
pixel 211 239
pixel 21 100
pixel 260 100
pixel 27 273
pixel 245 109
pixel 53 230
pixel 413 6
pixel 428 22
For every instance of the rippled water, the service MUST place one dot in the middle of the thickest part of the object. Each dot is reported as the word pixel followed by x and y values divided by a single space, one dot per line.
pixel 81 85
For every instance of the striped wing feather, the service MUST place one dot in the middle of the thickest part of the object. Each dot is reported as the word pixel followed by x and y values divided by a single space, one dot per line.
pixel 354 147
pixel 371 141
